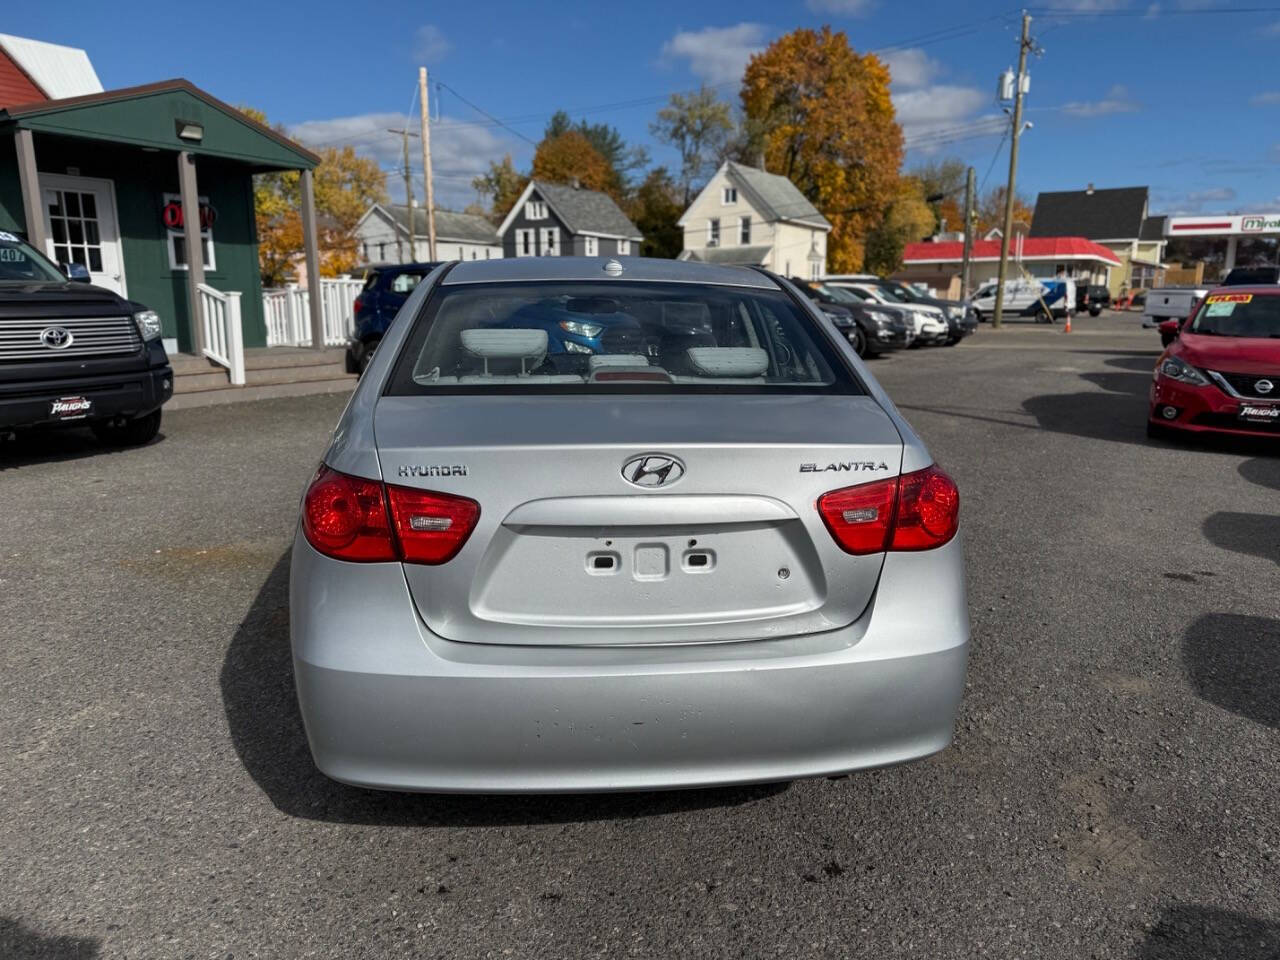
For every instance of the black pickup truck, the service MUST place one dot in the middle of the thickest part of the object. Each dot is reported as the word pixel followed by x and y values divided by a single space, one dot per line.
pixel 72 354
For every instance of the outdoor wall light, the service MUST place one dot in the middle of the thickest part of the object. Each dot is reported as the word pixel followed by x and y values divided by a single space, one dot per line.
pixel 190 131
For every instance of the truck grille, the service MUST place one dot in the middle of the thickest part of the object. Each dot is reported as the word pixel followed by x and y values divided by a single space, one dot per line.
pixel 1245 384
pixel 21 339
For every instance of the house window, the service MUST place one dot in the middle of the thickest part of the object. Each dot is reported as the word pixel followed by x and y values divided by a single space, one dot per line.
pixel 624 246
pixel 535 210
pixel 550 239
pixel 524 243
pixel 713 232
pixel 178 243
pixel 729 195
pixel 744 231
pixel 590 246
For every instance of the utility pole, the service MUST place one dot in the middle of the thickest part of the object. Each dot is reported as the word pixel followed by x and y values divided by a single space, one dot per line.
pixel 1019 83
pixel 405 134
pixel 426 164
pixel 969 216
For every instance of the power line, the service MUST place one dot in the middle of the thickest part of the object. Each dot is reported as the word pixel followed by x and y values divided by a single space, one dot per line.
pixel 485 113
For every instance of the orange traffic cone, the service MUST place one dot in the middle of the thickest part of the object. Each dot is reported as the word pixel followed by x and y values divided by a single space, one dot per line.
pixel 1067 328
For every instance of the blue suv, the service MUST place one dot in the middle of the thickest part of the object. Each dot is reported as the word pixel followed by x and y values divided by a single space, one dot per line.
pixel 386 288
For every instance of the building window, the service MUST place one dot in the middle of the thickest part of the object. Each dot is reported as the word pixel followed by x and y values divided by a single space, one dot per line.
pixel 744 231
pixel 487 251
pixel 535 210
pixel 590 246
pixel 624 246
pixel 729 195
pixel 814 272
pixel 177 238
pixel 550 238
pixel 713 232
pixel 524 243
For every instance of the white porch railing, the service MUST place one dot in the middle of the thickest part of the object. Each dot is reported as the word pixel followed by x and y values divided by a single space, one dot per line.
pixel 223 339
pixel 287 311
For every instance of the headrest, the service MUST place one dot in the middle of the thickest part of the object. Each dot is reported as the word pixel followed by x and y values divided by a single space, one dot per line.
pixel 505 344
pixel 728 361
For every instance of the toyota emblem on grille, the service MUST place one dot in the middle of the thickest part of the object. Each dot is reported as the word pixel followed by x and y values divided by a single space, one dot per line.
pixel 56 338
pixel 652 470
pixel 1264 386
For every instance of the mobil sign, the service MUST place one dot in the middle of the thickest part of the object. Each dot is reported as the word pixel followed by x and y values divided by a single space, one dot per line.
pixel 1226 225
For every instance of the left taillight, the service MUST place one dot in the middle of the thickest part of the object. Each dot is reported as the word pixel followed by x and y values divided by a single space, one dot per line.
pixel 351 518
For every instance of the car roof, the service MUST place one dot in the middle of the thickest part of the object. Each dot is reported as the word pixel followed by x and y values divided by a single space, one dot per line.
pixel 516 269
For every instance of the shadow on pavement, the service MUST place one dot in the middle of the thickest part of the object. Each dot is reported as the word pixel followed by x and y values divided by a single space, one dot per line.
pixel 1118 413
pixel 267 732
pixel 1143 363
pixel 1252 534
pixel 52 446
pixel 1262 471
pixel 17 942
pixel 1192 932
pixel 1233 661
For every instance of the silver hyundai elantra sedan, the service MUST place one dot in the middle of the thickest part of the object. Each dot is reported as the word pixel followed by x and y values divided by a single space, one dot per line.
pixel 593 524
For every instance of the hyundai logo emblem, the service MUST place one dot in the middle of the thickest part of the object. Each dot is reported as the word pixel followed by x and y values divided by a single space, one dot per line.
pixel 1264 386
pixel 652 470
pixel 56 338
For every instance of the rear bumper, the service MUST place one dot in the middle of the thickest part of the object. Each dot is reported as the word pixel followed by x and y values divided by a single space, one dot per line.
pixel 388 704
pixel 129 394
pixel 1204 410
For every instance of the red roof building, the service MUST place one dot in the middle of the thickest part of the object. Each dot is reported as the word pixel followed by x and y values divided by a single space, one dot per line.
pixel 938 264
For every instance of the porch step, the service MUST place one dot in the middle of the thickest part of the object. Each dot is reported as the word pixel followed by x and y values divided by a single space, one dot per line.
pixel 269 372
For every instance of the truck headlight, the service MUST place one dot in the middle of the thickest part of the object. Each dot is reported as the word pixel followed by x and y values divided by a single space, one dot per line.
pixel 148 323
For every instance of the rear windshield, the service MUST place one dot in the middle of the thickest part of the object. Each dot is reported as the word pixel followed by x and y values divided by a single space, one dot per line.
pixel 610 337
pixel 1238 315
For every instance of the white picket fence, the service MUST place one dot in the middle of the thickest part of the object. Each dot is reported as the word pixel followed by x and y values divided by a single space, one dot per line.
pixel 223 338
pixel 287 312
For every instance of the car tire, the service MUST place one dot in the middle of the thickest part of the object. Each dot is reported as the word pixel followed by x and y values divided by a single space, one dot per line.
pixel 1095 311
pixel 131 433
pixel 366 355
pixel 859 341
pixel 952 341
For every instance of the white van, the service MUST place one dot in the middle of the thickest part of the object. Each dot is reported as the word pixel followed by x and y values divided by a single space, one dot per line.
pixel 1027 298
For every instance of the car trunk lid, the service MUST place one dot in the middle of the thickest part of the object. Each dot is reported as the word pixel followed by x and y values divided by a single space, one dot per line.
pixel 569 551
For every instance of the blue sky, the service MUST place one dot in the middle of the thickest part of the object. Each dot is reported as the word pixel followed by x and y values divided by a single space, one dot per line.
pixel 1180 95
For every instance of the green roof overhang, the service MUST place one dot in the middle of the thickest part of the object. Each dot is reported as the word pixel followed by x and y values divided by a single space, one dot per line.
pixel 151 116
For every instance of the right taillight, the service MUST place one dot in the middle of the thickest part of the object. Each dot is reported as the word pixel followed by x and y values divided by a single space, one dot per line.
pixel 915 511
pixel 351 518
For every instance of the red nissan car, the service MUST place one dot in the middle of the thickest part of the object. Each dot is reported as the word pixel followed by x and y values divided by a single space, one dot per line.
pixel 1221 373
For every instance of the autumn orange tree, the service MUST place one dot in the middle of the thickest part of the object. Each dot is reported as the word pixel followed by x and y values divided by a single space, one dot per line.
pixel 906 219
pixel 990 211
pixel 346 185
pixel 823 118
pixel 569 157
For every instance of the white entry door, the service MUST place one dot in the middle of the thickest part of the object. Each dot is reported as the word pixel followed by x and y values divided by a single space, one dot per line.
pixel 81 226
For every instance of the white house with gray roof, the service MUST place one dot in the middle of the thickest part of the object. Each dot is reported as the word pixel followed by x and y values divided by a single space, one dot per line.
pixel 745 215
pixel 383 236
pixel 558 220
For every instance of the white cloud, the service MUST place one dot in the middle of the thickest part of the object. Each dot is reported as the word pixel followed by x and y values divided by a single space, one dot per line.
pixel 716 54
pixel 932 117
pixel 1212 195
pixel 430 45
pixel 1117 100
pixel 459 151
pixel 848 8
pixel 1091 6
pixel 910 68
pixel 1270 98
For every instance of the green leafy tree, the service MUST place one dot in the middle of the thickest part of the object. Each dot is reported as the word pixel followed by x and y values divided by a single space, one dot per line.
pixel 502 186
pixel 700 126
pixel 655 208
pixel 907 218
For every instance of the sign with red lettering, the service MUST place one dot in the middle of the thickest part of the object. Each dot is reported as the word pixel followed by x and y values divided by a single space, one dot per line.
pixel 171 215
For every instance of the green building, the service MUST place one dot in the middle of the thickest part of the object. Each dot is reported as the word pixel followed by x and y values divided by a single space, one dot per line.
pixel 107 180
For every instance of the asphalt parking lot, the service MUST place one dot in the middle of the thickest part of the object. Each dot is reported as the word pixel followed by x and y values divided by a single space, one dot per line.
pixel 1112 790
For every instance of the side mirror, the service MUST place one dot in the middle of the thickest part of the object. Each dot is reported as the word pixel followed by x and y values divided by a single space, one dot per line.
pixel 1169 328
pixel 76 272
